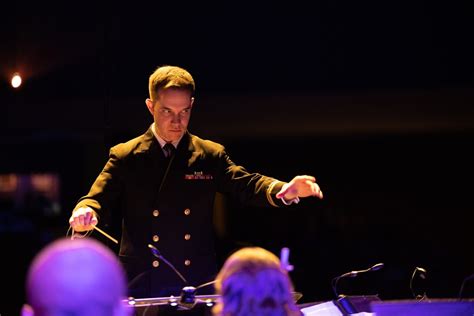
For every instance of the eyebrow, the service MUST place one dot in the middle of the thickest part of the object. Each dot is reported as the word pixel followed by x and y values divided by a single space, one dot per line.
pixel 168 108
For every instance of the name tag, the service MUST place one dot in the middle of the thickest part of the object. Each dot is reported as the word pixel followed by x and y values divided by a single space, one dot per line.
pixel 198 175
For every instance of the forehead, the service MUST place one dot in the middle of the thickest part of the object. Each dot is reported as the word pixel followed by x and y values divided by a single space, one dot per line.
pixel 175 96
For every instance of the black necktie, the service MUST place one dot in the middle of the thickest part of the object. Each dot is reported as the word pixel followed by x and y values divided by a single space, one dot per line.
pixel 169 149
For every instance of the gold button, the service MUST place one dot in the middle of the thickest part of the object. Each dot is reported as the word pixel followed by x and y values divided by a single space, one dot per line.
pixel 187 236
pixel 187 211
pixel 156 213
pixel 156 263
pixel 187 262
pixel 156 238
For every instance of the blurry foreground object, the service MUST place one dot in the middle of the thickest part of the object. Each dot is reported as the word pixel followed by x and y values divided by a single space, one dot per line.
pixel 253 282
pixel 75 277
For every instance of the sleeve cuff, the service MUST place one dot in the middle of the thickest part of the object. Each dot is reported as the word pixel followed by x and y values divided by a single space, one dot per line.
pixel 269 193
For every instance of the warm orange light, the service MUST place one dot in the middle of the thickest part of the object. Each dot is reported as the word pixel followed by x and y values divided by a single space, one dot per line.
pixel 8 183
pixel 16 80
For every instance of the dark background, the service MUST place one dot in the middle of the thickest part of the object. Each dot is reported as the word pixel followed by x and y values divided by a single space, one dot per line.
pixel 374 99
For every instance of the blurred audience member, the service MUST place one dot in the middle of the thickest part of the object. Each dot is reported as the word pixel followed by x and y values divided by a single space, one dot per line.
pixel 75 277
pixel 253 282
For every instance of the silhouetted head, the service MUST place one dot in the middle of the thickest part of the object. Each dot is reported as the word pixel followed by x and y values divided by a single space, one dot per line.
pixel 252 282
pixel 75 277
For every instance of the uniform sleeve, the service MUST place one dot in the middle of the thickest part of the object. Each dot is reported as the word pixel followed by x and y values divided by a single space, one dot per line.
pixel 106 189
pixel 249 188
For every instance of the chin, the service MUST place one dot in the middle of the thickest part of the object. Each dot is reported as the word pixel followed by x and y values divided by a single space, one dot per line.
pixel 175 135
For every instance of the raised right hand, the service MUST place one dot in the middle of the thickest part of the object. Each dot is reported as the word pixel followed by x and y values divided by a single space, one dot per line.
pixel 83 219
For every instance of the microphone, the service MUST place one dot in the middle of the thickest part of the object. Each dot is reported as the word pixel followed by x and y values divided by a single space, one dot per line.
pixel 461 290
pixel 187 299
pixel 157 254
pixel 353 274
pixel 422 273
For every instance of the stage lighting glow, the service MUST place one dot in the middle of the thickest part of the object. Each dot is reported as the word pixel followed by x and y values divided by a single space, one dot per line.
pixel 16 80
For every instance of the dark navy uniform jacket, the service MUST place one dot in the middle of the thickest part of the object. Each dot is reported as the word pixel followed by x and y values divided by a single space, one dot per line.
pixel 169 203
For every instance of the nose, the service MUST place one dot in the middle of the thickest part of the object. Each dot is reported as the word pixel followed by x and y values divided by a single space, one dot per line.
pixel 176 119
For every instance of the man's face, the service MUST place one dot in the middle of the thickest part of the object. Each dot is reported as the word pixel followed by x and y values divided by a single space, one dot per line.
pixel 171 113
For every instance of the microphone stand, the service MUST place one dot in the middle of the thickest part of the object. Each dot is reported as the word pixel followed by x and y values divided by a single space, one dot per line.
pixel 353 274
pixel 461 290
pixel 422 274
pixel 157 254
pixel 343 301
pixel 187 298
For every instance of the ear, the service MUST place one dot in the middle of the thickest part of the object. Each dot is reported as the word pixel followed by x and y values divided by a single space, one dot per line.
pixel 149 105
pixel 192 101
pixel 27 310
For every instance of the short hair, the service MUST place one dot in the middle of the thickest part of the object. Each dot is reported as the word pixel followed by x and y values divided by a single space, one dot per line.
pixel 166 77
pixel 252 282
pixel 76 277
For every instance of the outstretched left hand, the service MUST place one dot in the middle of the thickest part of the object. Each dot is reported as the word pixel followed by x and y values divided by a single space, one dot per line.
pixel 300 186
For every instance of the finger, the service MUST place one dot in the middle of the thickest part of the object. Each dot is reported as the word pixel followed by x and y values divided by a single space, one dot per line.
pixel 74 221
pixel 311 178
pixel 87 218
pixel 309 186
pixel 306 178
pixel 315 189
pixel 319 193
pixel 81 220
pixel 76 227
pixel 94 221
